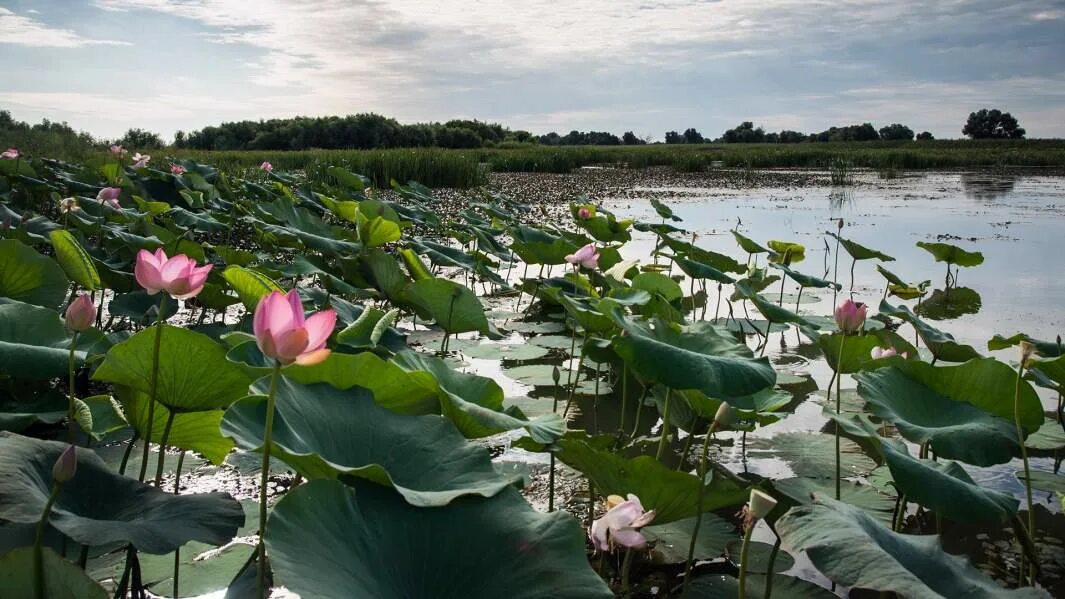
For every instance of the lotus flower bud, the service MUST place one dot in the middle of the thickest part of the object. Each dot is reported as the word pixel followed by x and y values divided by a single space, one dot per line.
pixel 118 150
pixel 109 196
pixel 839 225
pixel 266 166
pixel 556 375
pixel 80 313
pixel 584 213
pixel 760 504
pixel 66 466
pixel 850 316
pixel 1027 350
pixel 725 414
pixel 177 169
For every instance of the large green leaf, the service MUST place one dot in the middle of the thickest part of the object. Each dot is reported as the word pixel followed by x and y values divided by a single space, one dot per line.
pixel 771 311
pixel 860 252
pixel 852 549
pixel 749 245
pixel 74 260
pixel 392 387
pixel 193 376
pixel 955 429
pixel 812 455
pixel 194 431
pixel 801 491
pixel 857 349
pixel 62 579
pixel 805 280
pixel 323 432
pixel 98 507
pixel 328 540
pixel 673 495
pixel 27 276
pixel 34 344
pixel 952 254
pixel 475 403
pixel 698 270
pixel 452 305
pixel 941 344
pixel 536 246
pixel 703 358
pixel 671 540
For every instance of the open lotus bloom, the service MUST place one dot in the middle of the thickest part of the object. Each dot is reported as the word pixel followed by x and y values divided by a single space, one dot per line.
pixel 587 256
pixel 10 154
pixel 66 466
pixel 266 166
pixel 140 160
pixel 118 150
pixel 80 313
pixel 109 196
pixel 850 316
pixel 282 332
pixel 177 169
pixel 179 276
pixel 886 352
pixel 621 525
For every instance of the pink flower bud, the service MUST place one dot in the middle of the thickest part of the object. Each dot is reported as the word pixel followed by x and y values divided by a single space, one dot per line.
pixel 109 196
pixel 81 313
pixel 850 316
pixel 587 256
pixel 266 166
pixel 66 466
pixel 282 332
pixel 584 213
pixel 177 169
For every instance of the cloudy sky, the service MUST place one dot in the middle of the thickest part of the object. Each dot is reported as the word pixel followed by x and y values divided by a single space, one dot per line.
pixel 542 65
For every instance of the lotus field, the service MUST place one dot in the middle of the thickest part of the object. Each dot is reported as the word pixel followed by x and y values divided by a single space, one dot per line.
pixel 253 383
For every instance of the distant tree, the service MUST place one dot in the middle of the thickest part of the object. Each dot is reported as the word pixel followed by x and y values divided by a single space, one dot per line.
pixel 551 139
pixel 672 137
pixel 896 131
pixel 521 136
pixel 458 137
pixel 791 137
pixel 992 123
pixel 179 139
pixel 140 138
pixel 691 136
pixel 924 136
pixel 744 133
pixel 629 139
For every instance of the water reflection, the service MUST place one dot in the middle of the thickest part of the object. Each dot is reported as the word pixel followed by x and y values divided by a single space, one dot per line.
pixel 949 304
pixel 838 197
pixel 987 186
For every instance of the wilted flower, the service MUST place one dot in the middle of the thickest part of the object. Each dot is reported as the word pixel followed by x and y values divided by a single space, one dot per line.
pixel 66 466
pixel 140 160
pixel 266 166
pixel 80 313
pixel 177 169
pixel 850 316
pixel 10 154
pixel 617 272
pixel 179 276
pixel 109 196
pixel 587 256
pixel 282 332
pixel 68 205
pixel 118 150
pixel 1027 350
pixel 760 504
pixel 584 213
pixel 621 524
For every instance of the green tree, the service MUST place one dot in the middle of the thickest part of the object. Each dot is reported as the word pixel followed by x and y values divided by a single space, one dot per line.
pixel 992 123
pixel 141 138
pixel 924 136
pixel 672 137
pixel 896 131
pixel 691 136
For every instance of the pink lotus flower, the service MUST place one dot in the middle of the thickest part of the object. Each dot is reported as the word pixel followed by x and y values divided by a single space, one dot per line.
pixel 886 352
pixel 10 154
pixel 587 256
pixel 80 313
pixel 177 169
pixel 118 150
pixel 140 160
pixel 850 316
pixel 109 196
pixel 266 166
pixel 584 213
pixel 621 524
pixel 179 276
pixel 282 333
pixel 66 466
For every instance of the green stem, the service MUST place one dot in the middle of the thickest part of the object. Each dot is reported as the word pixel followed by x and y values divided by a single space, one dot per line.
pixel 743 561
pixel 839 375
pixel 153 389
pixel 38 552
pixel 624 397
pixel 267 440
pixel 70 383
pixel 626 566
pixel 639 412
pixel 663 441
pixel 162 447
pixel 551 485
pixel 1024 458
pixel 573 387
pixel 769 567
pixel 699 507
pixel 177 552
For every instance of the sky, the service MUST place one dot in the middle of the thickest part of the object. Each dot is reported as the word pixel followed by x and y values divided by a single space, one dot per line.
pixel 541 65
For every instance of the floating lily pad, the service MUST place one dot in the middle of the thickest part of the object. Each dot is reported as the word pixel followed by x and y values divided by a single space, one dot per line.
pixel 501 351
pixel 750 327
pixel 812 455
pixel 536 327
pixel 866 497
pixel 554 342
pixel 671 541
pixel 805 299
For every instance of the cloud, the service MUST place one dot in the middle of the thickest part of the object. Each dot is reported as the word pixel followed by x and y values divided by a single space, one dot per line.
pixel 25 31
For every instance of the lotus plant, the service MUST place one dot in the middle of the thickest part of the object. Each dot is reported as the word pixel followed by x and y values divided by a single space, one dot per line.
pixel 878 353
pixel 79 317
pixel 1027 350
pixel 587 257
pixel 109 196
pixel 850 319
pixel 177 169
pixel 724 416
pixel 118 151
pixel 181 279
pixel 64 469
pixel 266 166
pixel 758 507
pixel 10 154
pixel 284 334
pixel 584 213
pixel 620 526
pixel 140 160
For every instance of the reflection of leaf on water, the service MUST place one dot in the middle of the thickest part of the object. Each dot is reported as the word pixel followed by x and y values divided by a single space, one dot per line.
pixel 839 197
pixel 955 302
pixel 987 186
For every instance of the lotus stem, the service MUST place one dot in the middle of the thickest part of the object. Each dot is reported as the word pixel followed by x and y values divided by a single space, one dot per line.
pixel 573 387
pixel 38 541
pixel 769 567
pixel 718 307
pixel 662 442
pixel 626 566
pixel 177 491
pixel 839 376
pixel 853 264
pixel 743 561
pixel 687 445
pixel 896 524
pixel 162 447
pixel 639 412
pixel 704 457
pixel 624 397
pixel 265 478
pixel 1024 458
pixel 153 389
pixel 835 273
pixel 798 299
pixel 70 391
pixel 125 455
